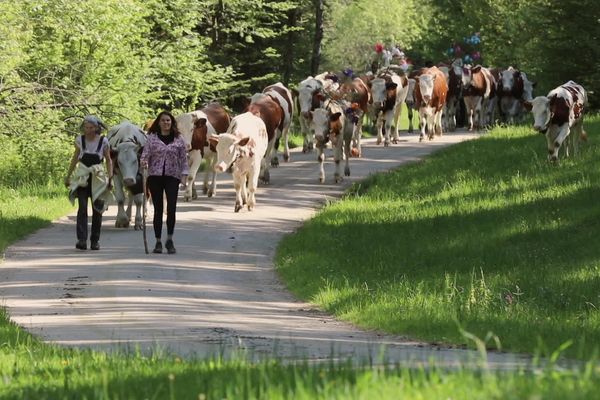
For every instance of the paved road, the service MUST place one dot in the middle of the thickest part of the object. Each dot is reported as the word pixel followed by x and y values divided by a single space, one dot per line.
pixel 219 293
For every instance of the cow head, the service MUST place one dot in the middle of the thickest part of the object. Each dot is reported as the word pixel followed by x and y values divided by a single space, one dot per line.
pixel 319 123
pixel 229 147
pixel 410 96
pixel 467 75
pixel 426 83
pixel 310 96
pixel 540 108
pixel 128 161
pixel 380 90
pixel 507 79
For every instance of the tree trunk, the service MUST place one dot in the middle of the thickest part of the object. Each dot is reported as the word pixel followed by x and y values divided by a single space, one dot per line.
pixel 288 67
pixel 316 53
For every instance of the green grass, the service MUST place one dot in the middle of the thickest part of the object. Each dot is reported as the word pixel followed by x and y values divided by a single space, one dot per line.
pixel 486 233
pixel 30 369
pixel 28 208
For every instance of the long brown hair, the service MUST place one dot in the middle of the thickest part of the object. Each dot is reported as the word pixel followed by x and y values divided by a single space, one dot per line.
pixel 155 127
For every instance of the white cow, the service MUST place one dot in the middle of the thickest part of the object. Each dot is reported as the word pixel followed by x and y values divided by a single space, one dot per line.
pixel 334 124
pixel 126 143
pixel 388 91
pixel 243 147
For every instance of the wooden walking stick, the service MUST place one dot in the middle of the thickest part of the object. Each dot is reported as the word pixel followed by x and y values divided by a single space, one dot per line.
pixel 144 206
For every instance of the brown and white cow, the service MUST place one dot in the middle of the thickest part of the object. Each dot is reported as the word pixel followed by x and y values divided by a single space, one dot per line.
pixel 513 89
pixel 557 114
pixel 269 110
pixel 333 123
pixel 195 126
pixel 357 94
pixel 430 94
pixel 242 147
pixel 389 91
pixel 479 94
pixel 312 93
pixel 212 119
pixel 282 96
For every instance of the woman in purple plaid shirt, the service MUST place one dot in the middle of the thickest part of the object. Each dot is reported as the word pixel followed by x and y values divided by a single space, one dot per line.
pixel 165 156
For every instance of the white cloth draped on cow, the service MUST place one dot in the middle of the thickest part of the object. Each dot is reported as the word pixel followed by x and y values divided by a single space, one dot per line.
pixel 99 181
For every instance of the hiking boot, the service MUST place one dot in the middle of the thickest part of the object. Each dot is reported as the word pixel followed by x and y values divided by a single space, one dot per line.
pixel 81 245
pixel 170 247
pixel 94 246
pixel 157 247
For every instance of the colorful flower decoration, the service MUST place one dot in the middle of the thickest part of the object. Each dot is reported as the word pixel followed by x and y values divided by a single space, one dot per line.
pixel 379 47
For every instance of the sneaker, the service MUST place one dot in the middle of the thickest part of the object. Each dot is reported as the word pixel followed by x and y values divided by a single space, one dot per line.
pixel 170 247
pixel 157 248
pixel 81 245
pixel 94 246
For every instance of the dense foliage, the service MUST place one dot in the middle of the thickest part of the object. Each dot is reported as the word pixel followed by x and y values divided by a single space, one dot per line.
pixel 60 59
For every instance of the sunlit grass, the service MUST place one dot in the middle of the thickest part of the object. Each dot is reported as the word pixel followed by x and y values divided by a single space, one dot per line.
pixel 486 233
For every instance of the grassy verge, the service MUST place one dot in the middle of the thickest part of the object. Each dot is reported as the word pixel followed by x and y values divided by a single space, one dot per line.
pixel 26 209
pixel 486 233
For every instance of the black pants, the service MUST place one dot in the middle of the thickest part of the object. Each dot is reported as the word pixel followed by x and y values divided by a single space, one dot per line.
pixel 157 185
pixel 83 194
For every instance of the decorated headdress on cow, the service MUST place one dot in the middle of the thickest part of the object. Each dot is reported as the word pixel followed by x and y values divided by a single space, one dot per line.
pixel 469 52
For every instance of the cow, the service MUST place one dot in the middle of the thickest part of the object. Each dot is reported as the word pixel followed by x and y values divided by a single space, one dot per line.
pixel 195 126
pixel 273 116
pixel 454 95
pixel 479 94
pixel 557 114
pixel 212 119
pixel 126 142
pixel 430 95
pixel 242 148
pixel 283 97
pixel 333 123
pixel 358 95
pixel 513 89
pixel 312 93
pixel 389 91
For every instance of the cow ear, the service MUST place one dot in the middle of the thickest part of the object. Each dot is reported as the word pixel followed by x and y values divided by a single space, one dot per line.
pixel 391 85
pixel 200 123
pixel 476 69
pixel 528 106
pixel 244 141
pixel 194 119
pixel 533 84
pixel 321 96
pixel 213 139
pixel 335 117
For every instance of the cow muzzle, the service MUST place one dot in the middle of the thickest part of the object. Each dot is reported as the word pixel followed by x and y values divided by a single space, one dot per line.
pixel 221 167
pixel 540 129
pixel 306 114
pixel 129 181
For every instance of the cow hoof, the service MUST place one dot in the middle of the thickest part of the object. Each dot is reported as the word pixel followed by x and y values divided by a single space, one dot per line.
pixel 275 162
pixel 338 179
pixel 210 193
pixel 250 208
pixel 205 190
pixel 421 138
pixel 347 171
pixel 321 180
pixel 304 149
pixel 237 207
pixel 286 157
pixel 386 144
pixel 186 198
pixel 378 141
pixel 395 141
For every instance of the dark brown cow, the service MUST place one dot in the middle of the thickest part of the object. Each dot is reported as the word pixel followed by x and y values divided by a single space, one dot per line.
pixel 431 91
pixel 212 119
pixel 479 93
pixel 272 114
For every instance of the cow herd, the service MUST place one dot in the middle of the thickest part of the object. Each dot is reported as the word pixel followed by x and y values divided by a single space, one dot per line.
pixel 331 109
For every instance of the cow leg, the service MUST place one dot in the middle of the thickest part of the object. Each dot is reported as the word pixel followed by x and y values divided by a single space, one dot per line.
pixel 238 182
pixel 211 160
pixel 265 175
pixel 274 157
pixel 337 157
pixel 389 120
pixel 397 113
pixel 286 145
pixel 121 221
pixel 307 144
pixel 347 144
pixel 194 161
pixel 252 185
pixel 438 124
pixel 357 136
pixel 423 122
pixel 379 127
pixel 138 199
pixel 409 113
pixel 321 160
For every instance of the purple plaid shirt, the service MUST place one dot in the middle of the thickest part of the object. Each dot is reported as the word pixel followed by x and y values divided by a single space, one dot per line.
pixel 165 159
